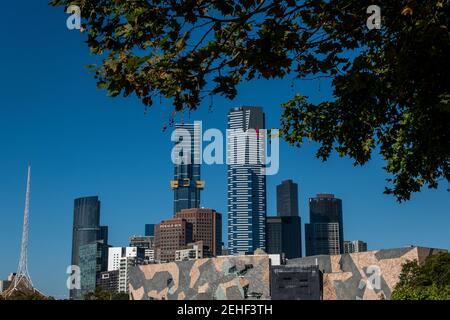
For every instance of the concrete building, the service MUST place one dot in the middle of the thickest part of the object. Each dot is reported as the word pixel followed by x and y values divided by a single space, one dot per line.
pixel 355 246
pixel 194 251
pixel 296 283
pixel 121 259
pixel 206 227
pixel 147 243
pixel 171 235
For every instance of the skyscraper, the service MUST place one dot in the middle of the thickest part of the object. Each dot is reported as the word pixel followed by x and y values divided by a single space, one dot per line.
pixel 324 233
pixel 287 199
pixel 149 230
pixel 86 229
pixel 246 154
pixel 284 231
pixel 186 183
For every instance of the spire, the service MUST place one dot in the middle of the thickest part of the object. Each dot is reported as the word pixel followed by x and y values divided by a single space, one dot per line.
pixel 22 281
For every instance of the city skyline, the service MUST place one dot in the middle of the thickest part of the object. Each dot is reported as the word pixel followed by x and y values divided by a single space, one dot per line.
pixel 82 143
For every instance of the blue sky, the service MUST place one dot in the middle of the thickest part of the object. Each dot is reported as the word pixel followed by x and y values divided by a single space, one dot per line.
pixel 81 143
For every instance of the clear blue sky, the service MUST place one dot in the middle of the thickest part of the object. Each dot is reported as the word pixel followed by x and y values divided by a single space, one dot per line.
pixel 81 143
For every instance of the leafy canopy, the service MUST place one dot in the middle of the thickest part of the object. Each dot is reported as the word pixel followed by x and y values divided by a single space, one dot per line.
pixel 391 86
pixel 430 281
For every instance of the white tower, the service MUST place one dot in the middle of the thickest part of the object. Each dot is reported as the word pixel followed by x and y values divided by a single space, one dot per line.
pixel 22 281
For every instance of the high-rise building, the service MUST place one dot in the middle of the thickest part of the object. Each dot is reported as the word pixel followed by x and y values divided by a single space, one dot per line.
pixel 246 154
pixel 149 230
pixel 355 246
pixel 287 199
pixel 206 227
pixel 284 236
pixel 122 259
pixel 324 234
pixel 171 235
pixel 283 232
pixel 86 229
pixel 186 183
pixel 93 259
pixel 147 243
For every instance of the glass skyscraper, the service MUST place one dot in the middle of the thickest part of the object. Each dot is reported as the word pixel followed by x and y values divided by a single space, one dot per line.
pixel 325 232
pixel 186 183
pixel 246 153
pixel 284 232
pixel 86 228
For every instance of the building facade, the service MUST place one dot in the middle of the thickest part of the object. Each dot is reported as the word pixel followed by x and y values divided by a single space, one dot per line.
pixel 86 229
pixel 284 236
pixel 194 251
pixel 284 232
pixel 120 259
pixel 93 259
pixel 287 199
pixel 109 281
pixel 246 180
pixel 355 246
pixel 171 235
pixel 147 243
pixel 325 233
pixel 186 183
pixel 296 283
pixel 206 227
pixel 149 230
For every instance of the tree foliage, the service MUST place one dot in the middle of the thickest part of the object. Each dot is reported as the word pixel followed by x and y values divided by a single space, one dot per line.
pixel 430 281
pixel 100 294
pixel 390 86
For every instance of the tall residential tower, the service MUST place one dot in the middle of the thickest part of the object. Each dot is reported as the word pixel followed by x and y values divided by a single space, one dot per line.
pixel 246 152
pixel 186 182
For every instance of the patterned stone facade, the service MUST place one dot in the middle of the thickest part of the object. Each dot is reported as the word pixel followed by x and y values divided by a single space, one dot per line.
pixel 221 278
pixel 368 275
pixel 365 275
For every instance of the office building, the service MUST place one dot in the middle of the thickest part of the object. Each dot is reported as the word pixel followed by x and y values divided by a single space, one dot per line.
pixel 121 259
pixel 287 199
pixel 355 246
pixel 186 183
pixel 147 243
pixel 283 232
pixel 86 228
pixel 171 235
pixel 194 251
pixel 246 154
pixel 324 234
pixel 283 236
pixel 149 230
pixel 206 227
pixel 93 259
pixel 109 281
